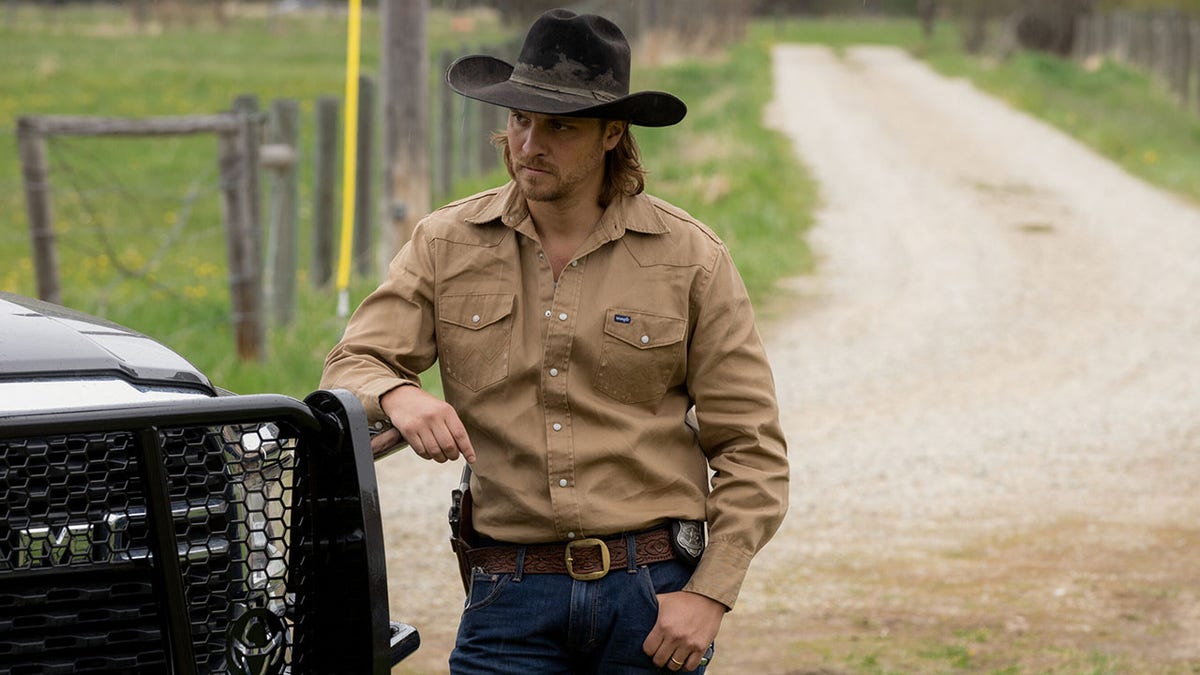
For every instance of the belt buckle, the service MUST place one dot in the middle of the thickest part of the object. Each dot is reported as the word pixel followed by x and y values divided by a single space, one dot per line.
pixel 588 576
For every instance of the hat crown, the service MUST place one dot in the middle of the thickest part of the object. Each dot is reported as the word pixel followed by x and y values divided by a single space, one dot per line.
pixel 582 54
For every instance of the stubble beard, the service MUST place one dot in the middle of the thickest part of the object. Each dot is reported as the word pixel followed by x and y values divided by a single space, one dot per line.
pixel 555 185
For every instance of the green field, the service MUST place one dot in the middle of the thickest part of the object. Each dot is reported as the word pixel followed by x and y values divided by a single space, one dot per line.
pixel 140 238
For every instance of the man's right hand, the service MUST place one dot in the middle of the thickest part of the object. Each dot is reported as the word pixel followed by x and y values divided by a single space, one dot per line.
pixel 430 425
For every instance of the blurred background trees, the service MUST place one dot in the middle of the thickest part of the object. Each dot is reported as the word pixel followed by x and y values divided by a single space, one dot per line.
pixel 1044 25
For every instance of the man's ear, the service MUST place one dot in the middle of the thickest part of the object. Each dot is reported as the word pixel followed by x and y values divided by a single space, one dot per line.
pixel 613 130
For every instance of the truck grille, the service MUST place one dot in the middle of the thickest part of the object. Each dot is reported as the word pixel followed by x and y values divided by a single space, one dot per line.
pixel 82 587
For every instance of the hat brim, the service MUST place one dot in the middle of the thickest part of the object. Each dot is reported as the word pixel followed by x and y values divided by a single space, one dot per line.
pixel 486 78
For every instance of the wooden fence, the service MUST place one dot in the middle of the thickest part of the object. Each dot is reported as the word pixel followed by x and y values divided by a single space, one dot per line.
pixel 249 141
pixel 237 153
pixel 1165 43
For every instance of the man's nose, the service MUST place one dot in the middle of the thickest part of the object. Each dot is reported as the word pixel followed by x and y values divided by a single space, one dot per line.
pixel 532 141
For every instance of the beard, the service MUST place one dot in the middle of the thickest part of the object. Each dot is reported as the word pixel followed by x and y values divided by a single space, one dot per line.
pixel 556 183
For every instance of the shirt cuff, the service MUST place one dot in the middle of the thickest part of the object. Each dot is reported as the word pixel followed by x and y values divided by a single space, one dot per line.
pixel 720 573
pixel 372 392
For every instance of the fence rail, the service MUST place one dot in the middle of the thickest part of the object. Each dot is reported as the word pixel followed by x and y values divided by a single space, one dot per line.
pixel 251 144
pixel 237 141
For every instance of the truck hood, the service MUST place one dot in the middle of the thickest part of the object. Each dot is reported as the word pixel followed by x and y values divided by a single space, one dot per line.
pixel 42 340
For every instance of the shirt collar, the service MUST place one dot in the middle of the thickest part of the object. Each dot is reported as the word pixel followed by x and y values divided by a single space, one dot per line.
pixel 635 213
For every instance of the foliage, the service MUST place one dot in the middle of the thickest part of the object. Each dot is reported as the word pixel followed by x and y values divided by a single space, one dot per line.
pixel 116 201
pixel 138 223
pixel 723 166
pixel 1124 114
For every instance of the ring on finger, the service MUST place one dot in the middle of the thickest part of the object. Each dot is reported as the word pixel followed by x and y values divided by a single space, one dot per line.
pixel 678 663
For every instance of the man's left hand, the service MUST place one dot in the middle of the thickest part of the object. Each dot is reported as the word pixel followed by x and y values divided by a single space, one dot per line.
pixel 687 623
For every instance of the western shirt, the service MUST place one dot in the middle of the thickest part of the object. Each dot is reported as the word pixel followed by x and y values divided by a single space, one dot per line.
pixel 575 393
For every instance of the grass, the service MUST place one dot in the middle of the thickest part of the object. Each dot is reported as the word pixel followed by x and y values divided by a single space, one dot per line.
pixel 1130 118
pixel 138 221
pixel 723 166
pixel 720 164
pixel 1123 114
pixel 140 240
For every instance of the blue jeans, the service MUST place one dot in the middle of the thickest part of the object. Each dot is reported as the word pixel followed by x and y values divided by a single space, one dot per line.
pixel 535 624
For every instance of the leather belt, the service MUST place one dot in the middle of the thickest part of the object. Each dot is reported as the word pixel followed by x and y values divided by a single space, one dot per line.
pixel 583 559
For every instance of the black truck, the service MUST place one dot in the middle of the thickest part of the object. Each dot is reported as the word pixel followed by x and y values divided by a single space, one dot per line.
pixel 153 523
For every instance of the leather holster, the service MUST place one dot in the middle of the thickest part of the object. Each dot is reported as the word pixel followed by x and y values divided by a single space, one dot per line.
pixel 462 530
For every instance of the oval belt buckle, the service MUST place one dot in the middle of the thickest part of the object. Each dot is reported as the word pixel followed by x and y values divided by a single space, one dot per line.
pixel 588 576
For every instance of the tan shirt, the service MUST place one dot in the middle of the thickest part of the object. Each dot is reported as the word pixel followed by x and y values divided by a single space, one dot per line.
pixel 574 393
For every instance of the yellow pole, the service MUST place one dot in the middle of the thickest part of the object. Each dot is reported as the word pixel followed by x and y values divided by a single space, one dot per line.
pixel 349 158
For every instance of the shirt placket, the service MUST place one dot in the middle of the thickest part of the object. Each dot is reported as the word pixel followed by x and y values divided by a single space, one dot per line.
pixel 561 318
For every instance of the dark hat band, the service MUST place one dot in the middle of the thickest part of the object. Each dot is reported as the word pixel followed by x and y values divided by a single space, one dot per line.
pixel 602 96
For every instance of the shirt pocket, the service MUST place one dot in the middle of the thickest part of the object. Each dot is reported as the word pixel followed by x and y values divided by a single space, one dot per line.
pixel 639 354
pixel 474 336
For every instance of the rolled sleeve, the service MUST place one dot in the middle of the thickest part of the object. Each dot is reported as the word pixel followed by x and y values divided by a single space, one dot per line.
pixel 389 340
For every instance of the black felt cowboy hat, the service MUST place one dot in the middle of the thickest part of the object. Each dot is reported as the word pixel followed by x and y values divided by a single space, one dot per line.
pixel 571 64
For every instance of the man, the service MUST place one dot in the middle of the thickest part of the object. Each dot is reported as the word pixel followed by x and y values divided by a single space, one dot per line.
pixel 576 321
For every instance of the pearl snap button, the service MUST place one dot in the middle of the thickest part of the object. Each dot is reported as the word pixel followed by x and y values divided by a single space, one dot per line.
pixel 570 535
pixel 562 317
pixel 557 426
pixel 554 372
pixel 574 263
pixel 475 319
pixel 562 483
pixel 549 314
pixel 645 339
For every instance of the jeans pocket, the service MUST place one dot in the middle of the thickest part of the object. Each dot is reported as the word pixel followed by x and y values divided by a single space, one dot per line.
pixel 665 577
pixel 485 588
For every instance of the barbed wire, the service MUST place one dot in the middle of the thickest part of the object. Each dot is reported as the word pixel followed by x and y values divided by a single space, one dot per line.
pixel 118 218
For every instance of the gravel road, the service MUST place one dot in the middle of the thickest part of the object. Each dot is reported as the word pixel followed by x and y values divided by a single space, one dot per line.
pixel 990 388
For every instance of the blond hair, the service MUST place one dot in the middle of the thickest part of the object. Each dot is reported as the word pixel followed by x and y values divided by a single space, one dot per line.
pixel 623 171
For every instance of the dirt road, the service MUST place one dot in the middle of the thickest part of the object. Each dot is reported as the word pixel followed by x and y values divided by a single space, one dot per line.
pixel 991 391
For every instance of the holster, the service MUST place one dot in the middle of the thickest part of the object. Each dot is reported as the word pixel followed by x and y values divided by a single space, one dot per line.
pixel 462 529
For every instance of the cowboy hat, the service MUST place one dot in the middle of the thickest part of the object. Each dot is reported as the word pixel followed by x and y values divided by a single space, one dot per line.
pixel 575 65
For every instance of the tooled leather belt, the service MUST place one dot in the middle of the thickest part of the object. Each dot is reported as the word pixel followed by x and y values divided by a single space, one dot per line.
pixel 583 559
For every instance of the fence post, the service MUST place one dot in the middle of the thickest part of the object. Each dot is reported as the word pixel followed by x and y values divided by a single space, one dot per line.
pixel 1181 57
pixel 445 121
pixel 1162 41
pixel 1083 47
pixel 237 158
pixel 1105 27
pixel 1194 29
pixel 1145 45
pixel 324 177
pixel 364 209
pixel 405 91
pixel 280 156
pixel 32 146
pixel 247 104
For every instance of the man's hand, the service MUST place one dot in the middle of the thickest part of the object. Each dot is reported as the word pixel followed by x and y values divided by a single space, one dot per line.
pixel 687 623
pixel 430 425
pixel 384 441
